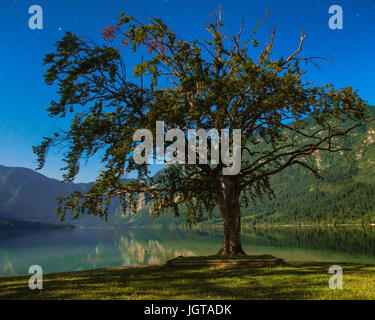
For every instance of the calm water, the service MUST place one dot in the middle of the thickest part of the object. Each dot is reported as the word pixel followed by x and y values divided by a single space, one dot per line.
pixel 89 248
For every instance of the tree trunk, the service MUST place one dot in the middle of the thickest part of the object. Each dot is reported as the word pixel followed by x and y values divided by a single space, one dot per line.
pixel 232 236
pixel 230 212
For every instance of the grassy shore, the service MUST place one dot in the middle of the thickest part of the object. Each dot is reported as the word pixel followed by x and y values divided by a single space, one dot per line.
pixel 294 281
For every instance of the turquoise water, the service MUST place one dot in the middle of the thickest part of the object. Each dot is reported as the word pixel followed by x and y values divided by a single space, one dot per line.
pixel 90 248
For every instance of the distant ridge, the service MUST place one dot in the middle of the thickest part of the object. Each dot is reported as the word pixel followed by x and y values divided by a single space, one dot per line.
pixel 27 195
pixel 345 195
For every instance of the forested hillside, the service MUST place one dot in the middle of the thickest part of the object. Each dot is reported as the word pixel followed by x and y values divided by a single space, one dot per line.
pixel 346 194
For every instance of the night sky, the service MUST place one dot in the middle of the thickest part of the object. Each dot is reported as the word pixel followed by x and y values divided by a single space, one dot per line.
pixel 24 96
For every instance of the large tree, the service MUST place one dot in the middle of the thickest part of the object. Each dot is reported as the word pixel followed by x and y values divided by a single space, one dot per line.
pixel 223 82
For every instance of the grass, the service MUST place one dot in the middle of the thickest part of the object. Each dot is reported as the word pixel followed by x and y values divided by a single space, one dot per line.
pixel 293 281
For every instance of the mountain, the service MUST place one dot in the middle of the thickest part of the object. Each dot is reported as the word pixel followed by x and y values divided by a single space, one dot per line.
pixel 26 195
pixel 346 194
pixel 8 226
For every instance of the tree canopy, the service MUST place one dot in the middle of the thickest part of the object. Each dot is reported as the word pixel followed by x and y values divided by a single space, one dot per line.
pixel 217 83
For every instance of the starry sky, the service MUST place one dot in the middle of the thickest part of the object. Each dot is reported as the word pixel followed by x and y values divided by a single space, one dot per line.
pixel 24 96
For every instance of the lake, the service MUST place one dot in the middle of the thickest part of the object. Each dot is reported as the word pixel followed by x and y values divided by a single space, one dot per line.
pixel 90 248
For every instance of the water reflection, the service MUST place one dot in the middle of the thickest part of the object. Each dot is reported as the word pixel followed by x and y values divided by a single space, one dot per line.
pixel 81 249
pixel 146 252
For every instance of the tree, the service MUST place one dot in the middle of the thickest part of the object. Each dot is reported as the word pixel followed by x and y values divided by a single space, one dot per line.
pixel 215 83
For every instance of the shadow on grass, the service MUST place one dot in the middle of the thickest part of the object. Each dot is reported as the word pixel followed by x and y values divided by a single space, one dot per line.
pixel 294 281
